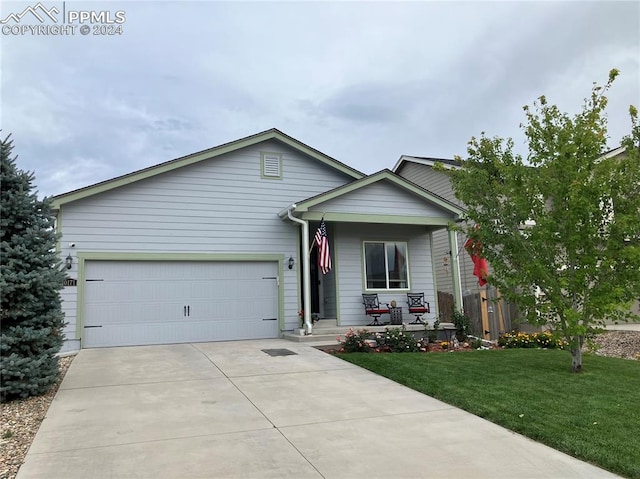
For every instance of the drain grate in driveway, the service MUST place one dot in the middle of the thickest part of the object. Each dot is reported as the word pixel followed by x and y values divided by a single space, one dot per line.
pixel 279 352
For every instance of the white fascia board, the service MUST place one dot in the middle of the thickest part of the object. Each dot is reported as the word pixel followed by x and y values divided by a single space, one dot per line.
pixel 615 152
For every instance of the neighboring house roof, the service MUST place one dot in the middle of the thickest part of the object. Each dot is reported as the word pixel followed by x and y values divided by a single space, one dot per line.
pixel 422 160
pixel 614 152
pixel 272 134
pixel 448 163
pixel 383 175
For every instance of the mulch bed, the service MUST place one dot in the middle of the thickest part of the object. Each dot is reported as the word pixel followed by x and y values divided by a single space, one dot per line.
pixel 432 348
pixel 619 344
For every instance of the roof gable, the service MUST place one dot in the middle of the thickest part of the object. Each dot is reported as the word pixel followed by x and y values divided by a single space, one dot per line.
pixel 381 176
pixel 422 160
pixel 272 134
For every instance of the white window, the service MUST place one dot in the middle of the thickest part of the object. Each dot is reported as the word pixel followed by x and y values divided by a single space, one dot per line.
pixel 271 166
pixel 385 265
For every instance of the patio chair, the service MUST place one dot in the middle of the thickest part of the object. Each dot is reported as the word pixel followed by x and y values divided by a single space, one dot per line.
pixel 372 308
pixel 417 306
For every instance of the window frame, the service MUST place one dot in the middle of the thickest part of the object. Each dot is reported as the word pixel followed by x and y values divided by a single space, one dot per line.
pixel 387 289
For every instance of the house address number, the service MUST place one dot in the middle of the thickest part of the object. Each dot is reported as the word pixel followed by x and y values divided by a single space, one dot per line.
pixel 70 282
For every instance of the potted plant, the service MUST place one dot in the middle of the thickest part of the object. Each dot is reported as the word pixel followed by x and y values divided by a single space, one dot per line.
pixel 463 325
pixel 432 333
pixel 301 330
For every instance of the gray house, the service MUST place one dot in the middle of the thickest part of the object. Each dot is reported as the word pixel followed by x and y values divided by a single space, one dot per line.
pixel 452 264
pixel 420 170
pixel 214 245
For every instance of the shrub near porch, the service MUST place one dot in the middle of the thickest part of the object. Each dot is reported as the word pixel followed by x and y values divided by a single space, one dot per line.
pixel 395 340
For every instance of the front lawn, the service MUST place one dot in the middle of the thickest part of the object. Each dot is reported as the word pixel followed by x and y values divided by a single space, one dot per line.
pixel 594 416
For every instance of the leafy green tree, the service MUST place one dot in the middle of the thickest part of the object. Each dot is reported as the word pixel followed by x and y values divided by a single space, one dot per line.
pixel 31 319
pixel 561 227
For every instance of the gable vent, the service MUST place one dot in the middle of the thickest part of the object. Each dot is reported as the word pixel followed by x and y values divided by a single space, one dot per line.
pixel 271 166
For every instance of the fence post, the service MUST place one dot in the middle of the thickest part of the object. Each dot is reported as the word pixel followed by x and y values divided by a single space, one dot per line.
pixel 485 315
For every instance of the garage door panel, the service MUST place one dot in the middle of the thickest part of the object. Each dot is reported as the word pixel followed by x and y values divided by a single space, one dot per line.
pixel 131 303
pixel 125 313
pixel 167 333
pixel 108 289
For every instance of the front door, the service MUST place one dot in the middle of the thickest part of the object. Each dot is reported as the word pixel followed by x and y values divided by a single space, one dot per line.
pixel 315 282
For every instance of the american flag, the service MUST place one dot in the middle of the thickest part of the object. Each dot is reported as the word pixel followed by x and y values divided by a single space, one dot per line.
pixel 324 258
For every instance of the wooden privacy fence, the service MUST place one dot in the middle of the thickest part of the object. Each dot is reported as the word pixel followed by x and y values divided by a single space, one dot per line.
pixel 500 316
pixel 445 306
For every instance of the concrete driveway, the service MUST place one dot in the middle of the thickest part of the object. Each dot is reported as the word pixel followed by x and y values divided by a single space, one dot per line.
pixel 216 410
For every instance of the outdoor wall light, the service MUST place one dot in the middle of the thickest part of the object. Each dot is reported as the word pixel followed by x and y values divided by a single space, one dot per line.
pixel 68 261
pixel 291 262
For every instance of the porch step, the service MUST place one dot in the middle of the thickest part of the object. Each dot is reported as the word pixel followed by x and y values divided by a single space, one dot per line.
pixel 325 323
pixel 328 335
pixel 318 339
pixel 342 330
pixel 331 325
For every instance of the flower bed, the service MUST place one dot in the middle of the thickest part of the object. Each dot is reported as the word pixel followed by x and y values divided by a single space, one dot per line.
pixel 395 340
pixel 533 340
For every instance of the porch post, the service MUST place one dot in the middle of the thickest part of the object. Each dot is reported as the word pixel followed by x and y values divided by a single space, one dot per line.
pixel 455 269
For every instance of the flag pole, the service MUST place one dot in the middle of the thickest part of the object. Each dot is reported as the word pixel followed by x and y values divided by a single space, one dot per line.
pixel 314 237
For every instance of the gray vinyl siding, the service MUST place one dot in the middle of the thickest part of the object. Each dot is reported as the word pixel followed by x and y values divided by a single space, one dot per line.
pixel 220 205
pixel 439 183
pixel 440 249
pixel 383 198
pixel 69 303
pixel 350 238
pixel 434 181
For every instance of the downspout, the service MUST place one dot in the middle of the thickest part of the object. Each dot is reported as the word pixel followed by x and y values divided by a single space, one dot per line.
pixel 306 287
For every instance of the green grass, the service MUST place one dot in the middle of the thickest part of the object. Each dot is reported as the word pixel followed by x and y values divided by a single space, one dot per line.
pixel 594 416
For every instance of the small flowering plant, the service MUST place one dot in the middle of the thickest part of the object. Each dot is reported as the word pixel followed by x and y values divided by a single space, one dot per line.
pixel 397 340
pixel 544 340
pixel 392 340
pixel 356 341
pixel 444 344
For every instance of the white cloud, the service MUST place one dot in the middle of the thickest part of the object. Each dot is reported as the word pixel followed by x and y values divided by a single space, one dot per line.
pixel 363 82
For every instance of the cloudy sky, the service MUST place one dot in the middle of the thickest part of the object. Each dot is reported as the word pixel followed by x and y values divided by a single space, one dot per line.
pixel 361 82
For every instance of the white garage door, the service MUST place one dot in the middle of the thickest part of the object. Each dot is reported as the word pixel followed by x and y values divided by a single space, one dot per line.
pixel 160 302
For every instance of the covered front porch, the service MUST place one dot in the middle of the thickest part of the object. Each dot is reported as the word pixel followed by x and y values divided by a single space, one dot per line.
pixel 327 333
pixel 380 235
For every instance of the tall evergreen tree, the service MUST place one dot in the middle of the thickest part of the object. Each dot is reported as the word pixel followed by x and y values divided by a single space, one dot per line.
pixel 31 319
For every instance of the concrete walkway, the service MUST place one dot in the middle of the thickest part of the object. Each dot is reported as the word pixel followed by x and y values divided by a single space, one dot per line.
pixel 623 327
pixel 218 410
